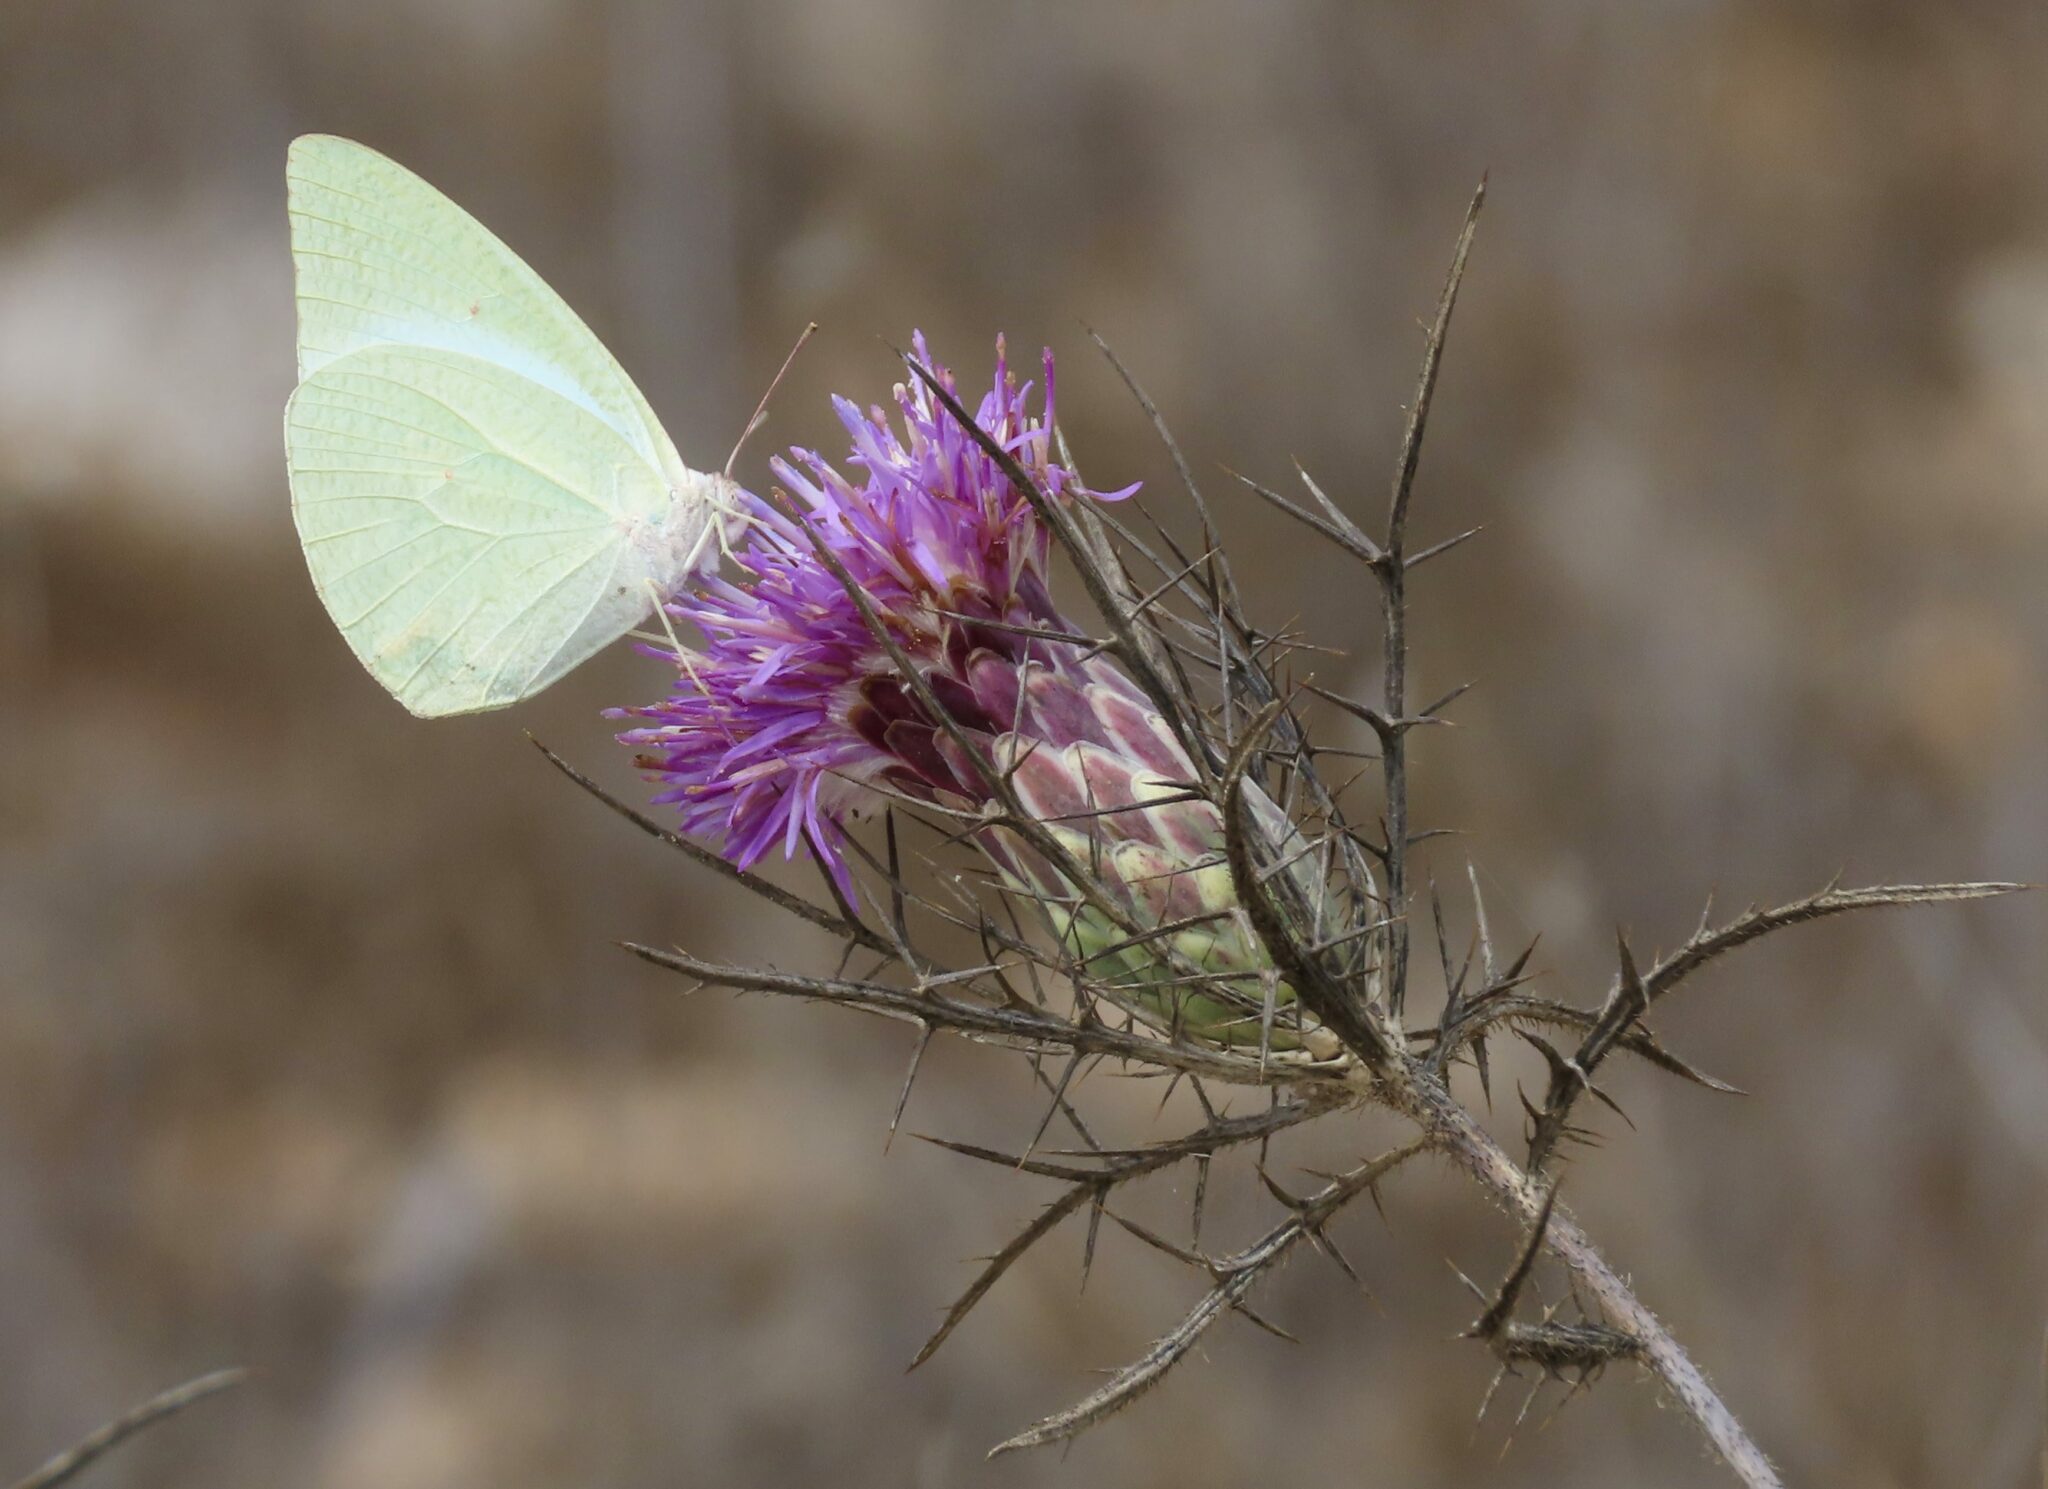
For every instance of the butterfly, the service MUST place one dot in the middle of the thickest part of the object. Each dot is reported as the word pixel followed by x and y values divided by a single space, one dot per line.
pixel 483 497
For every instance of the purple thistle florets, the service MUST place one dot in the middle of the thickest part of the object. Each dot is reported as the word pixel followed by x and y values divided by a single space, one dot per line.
pixel 793 708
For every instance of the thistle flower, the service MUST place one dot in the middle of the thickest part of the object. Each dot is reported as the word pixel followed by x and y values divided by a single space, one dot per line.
pixel 793 715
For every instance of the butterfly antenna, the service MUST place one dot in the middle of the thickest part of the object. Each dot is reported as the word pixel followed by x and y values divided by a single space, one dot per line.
pixel 761 409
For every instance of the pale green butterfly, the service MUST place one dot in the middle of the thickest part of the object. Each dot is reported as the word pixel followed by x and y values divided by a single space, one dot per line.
pixel 483 496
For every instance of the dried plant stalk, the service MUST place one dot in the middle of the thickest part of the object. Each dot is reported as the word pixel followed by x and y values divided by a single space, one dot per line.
pixel 74 1460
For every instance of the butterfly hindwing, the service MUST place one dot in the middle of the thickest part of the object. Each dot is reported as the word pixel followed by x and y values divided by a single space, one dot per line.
pixel 460 524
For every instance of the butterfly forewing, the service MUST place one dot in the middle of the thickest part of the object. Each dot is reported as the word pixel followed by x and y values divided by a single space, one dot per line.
pixel 382 258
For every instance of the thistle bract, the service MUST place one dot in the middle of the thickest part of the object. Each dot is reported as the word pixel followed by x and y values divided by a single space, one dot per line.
pixel 795 718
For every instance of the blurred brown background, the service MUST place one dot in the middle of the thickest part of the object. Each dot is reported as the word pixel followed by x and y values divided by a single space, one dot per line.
pixel 315 1051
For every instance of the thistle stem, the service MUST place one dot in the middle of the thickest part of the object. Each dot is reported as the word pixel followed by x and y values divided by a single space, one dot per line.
pixel 1392 571
pixel 1454 1132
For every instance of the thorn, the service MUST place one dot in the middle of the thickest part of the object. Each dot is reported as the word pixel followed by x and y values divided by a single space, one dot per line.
pixel 1245 1309
pixel 1432 357
pixel 1430 713
pixel 924 1040
pixel 1487 1400
pixel 1058 1100
pixel 1278 1193
pixel 1436 550
pixel 1095 1210
pixel 1489 1324
pixel 1476 1290
pixel 896 918
pixel 1320 1239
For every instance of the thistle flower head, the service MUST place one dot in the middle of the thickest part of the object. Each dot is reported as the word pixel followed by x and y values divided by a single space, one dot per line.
pixel 793 705
pixel 797 710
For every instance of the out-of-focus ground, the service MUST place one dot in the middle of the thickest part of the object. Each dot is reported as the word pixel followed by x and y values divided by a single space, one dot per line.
pixel 315 1051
